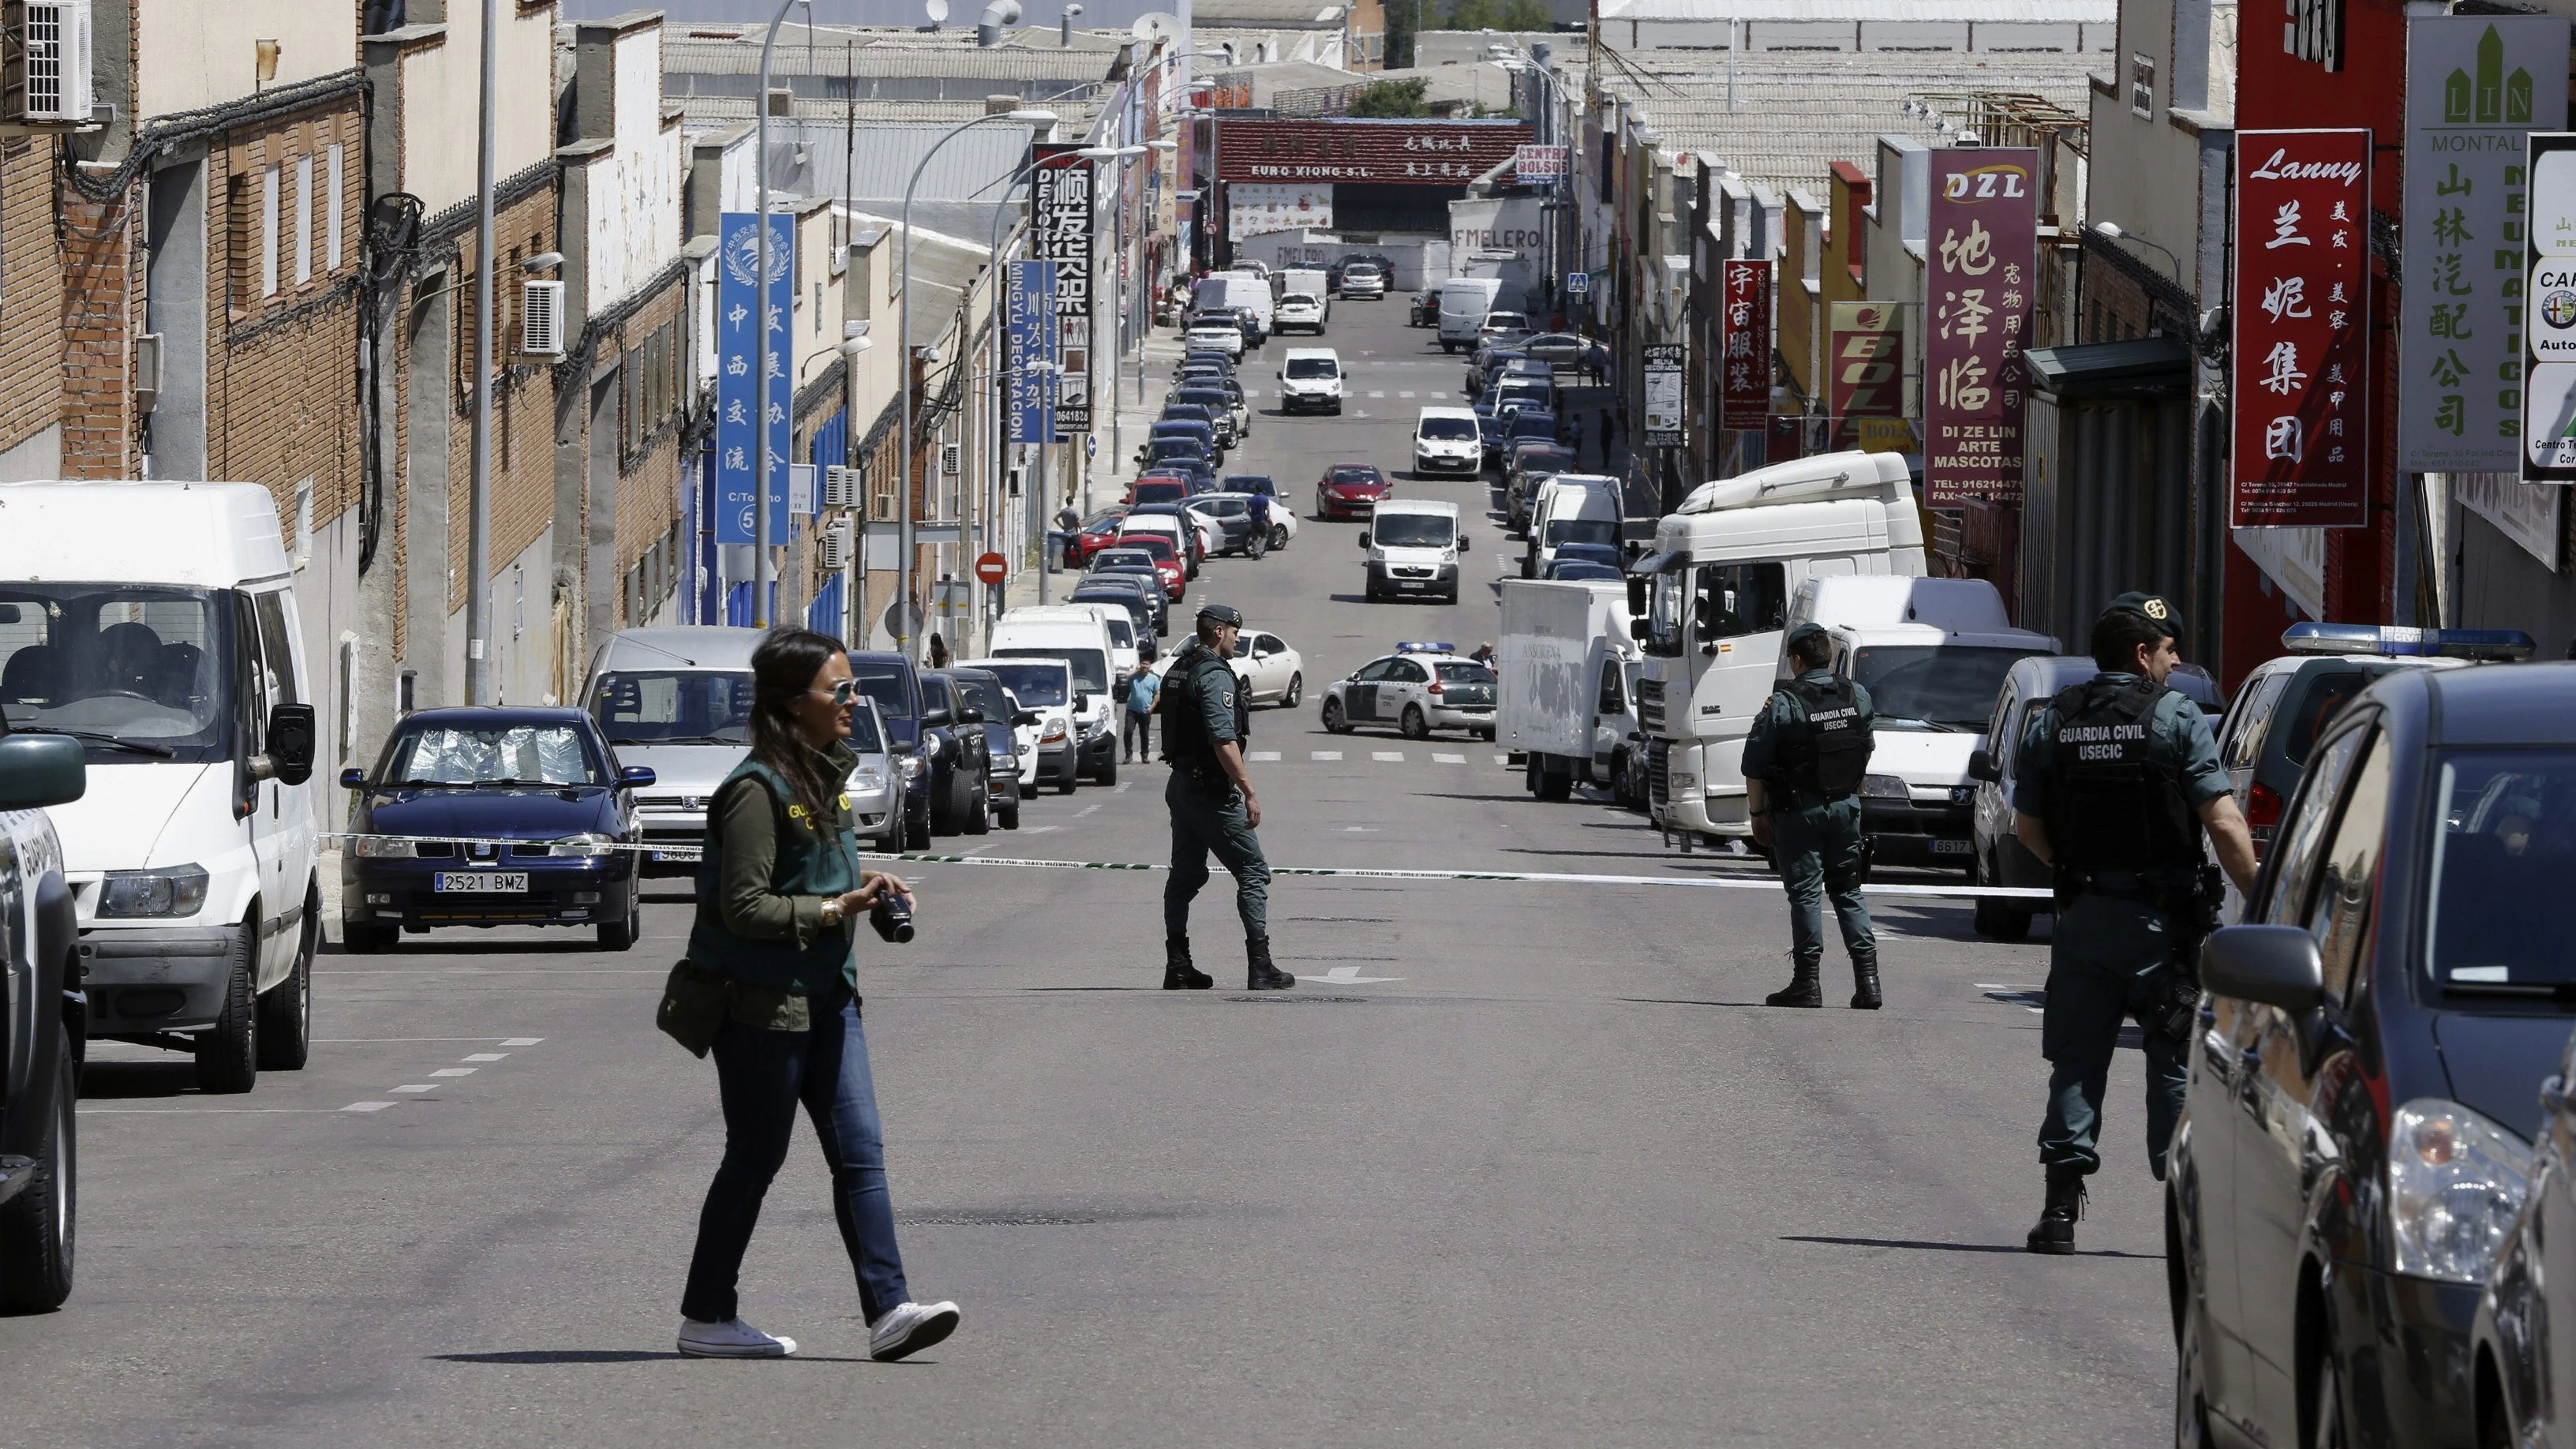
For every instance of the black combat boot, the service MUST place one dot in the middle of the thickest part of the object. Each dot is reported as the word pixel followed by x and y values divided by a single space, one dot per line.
pixel 1178 973
pixel 1261 975
pixel 2055 1231
pixel 1865 980
pixel 1805 986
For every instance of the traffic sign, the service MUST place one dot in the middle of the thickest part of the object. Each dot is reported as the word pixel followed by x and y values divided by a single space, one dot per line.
pixel 992 568
pixel 902 618
pixel 1577 283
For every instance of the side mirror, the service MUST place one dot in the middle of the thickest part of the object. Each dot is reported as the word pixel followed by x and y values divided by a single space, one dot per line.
pixel 1364 538
pixel 353 778
pixel 40 770
pixel 1637 629
pixel 970 716
pixel 635 777
pixel 2274 965
pixel 1028 717
pixel 1464 540
pixel 291 733
pixel 1981 766
pixel 1636 596
pixel 1081 701
pixel 1118 691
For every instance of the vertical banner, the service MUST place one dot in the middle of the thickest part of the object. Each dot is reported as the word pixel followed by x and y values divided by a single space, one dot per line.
pixel 1030 340
pixel 1866 341
pixel 2459 402
pixel 737 387
pixel 1663 380
pixel 1744 385
pixel 1977 276
pixel 2549 317
pixel 2302 310
pixel 1060 202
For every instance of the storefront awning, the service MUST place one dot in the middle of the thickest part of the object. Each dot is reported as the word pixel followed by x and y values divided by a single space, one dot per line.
pixel 2144 367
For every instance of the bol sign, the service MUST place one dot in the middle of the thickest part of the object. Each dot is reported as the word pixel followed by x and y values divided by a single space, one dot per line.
pixel 991 568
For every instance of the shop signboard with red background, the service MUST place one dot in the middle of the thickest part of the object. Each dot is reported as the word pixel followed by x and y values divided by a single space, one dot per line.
pixel 1744 384
pixel 1348 149
pixel 1980 265
pixel 1867 342
pixel 2302 310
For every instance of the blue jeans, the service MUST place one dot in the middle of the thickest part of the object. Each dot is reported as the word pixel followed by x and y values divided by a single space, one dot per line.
pixel 763 1076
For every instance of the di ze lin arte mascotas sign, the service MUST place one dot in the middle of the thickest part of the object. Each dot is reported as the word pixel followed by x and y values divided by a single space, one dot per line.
pixel 2302 309
pixel 1977 281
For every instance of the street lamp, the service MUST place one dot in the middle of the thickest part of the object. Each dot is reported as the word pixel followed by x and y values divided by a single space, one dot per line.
pixel 2111 231
pixel 1026 116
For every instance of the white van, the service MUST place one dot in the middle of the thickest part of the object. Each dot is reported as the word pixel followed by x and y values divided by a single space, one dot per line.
pixel 1464 301
pixel 1571 508
pixel 1310 380
pixel 678 702
pixel 1237 289
pixel 1447 440
pixel 157 622
pixel 1564 668
pixel 1412 546
pixel 1313 281
pixel 1076 634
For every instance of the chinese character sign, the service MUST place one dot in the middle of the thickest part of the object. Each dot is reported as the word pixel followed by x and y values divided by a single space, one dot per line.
pixel 1029 352
pixel 2459 403
pixel 2549 314
pixel 1060 203
pixel 2302 310
pixel 1663 380
pixel 1980 265
pixel 1865 342
pixel 1744 330
pixel 739 317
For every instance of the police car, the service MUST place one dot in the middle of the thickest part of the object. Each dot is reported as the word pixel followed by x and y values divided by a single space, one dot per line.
pixel 1421 687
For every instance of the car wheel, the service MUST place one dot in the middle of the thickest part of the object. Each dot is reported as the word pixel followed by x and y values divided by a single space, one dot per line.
pixel 1555 782
pixel 979 819
pixel 36 1225
pixel 365 938
pixel 1296 691
pixel 1996 920
pixel 1335 722
pixel 286 1012
pixel 889 843
pixel 916 830
pixel 1108 770
pixel 620 935
pixel 2329 1429
pixel 1009 814
pixel 1414 726
pixel 2191 1396
pixel 228 1053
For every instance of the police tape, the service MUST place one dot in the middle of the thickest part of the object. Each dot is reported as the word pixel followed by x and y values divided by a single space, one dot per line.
pixel 691 854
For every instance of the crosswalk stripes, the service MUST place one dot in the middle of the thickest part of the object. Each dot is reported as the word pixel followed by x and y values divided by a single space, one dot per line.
pixel 1388 756
pixel 1448 759
pixel 1324 756
pixel 1263 756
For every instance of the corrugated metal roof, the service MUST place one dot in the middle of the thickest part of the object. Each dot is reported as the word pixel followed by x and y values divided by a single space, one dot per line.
pixel 816 158
pixel 2018 12
pixel 1286 14
pixel 872 54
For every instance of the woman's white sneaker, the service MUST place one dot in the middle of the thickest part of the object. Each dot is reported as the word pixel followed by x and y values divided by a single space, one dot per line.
pixel 908 1328
pixel 732 1338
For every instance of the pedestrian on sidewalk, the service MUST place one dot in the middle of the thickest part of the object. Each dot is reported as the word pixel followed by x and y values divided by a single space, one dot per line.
pixel 1139 733
pixel 779 888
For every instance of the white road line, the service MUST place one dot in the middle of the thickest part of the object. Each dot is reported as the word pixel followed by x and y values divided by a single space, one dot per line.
pixel 366 1106
pixel 1359 412
pixel 1395 755
pixel 416 1087
pixel 1328 756
pixel 1448 759
pixel 1263 756
pixel 402 1040
pixel 1377 392
pixel 1085 810
pixel 483 1057
pixel 1038 829
pixel 203 1111
pixel 521 1040
pixel 1408 392
pixel 455 1071
pixel 1502 759
pixel 1437 396
pixel 1121 787
pixel 1359 830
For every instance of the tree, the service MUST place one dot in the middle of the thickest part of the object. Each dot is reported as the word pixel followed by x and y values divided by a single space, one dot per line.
pixel 1391 100
pixel 1505 15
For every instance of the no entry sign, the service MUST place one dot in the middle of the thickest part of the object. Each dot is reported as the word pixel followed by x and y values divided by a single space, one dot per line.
pixel 991 568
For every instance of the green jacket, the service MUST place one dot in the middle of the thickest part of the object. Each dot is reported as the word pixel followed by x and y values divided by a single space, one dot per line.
pixel 761 886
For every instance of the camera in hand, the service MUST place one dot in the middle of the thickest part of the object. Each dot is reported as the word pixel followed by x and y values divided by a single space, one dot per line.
pixel 892 918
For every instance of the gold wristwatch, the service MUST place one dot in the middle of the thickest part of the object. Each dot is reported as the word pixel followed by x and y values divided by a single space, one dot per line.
pixel 831 910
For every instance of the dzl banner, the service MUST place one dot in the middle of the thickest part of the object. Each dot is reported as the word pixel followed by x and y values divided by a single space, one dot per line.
pixel 1977 287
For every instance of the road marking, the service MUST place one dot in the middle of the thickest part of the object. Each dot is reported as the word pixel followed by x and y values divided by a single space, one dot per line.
pixel 415 1087
pixel 1262 756
pixel 1377 392
pixel 366 1106
pixel 402 1040
pixel 1349 976
pixel 1502 759
pixel 455 1071
pixel 1438 396
pixel 1359 830
pixel 1038 829
pixel 483 1057
pixel 204 1111
pixel 1326 756
pixel 1408 392
pixel 1121 787
pixel 1396 755
pixel 1359 412
pixel 521 1040
pixel 1085 810
pixel 1448 759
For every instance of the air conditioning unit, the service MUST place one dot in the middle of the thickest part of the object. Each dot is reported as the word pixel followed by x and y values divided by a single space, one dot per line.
pixel 841 487
pixel 952 458
pixel 836 546
pixel 541 319
pixel 45 62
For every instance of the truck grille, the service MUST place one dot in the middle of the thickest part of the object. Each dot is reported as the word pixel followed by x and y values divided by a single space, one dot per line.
pixel 1659 763
pixel 1650 706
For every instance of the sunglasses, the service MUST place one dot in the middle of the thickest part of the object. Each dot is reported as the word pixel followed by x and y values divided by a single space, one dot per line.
pixel 841 693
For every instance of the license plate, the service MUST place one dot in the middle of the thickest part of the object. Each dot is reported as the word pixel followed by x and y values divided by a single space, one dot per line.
pixel 482 883
pixel 678 852
pixel 1953 847
pixel 1407 584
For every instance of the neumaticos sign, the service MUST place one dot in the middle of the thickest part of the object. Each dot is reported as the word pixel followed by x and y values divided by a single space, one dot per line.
pixel 1399 153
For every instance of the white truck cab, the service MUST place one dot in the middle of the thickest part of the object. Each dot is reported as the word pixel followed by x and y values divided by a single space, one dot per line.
pixel 156 624
pixel 1933 654
pixel 1715 591
pixel 1412 546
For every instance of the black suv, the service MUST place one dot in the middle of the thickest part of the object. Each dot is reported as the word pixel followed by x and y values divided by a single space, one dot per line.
pixel 890 680
pixel 44 1021
pixel 980 692
pixel 961 764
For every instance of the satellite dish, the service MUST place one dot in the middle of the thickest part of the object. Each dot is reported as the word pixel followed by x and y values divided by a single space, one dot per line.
pixel 1156 27
pixel 938 10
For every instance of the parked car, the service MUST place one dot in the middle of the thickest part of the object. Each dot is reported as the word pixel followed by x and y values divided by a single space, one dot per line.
pixel 1045 691
pixel 1237 531
pixel 1299 311
pixel 1425 311
pixel 1418 688
pixel 1216 334
pixel 1198 432
pixel 44 1015
pixel 1529 464
pixel 448 784
pixel 1272 672
pixel 1557 349
pixel 1158 552
pixel 980 691
pixel 1078 635
pixel 1283 519
pixel 1485 367
pixel 1211 410
pixel 1585 561
pixel 1363 280
pixel 1225 408
pixel 1350 490
pixel 678 702
pixel 1196 534
pixel 1096 533
pixel 891 680
pixel 1136 589
pixel 952 731
pixel 2358 1139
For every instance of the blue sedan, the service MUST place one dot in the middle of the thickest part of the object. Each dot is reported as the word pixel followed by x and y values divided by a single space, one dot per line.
pixel 487 817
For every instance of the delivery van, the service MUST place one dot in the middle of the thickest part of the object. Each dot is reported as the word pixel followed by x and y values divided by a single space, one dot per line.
pixel 156 624
pixel 1079 636
pixel 677 701
pixel 1237 289
pixel 1571 508
pixel 1565 670
pixel 1464 301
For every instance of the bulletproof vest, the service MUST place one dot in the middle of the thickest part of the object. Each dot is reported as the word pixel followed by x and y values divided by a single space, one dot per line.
pixel 2115 796
pixel 1185 736
pixel 1830 755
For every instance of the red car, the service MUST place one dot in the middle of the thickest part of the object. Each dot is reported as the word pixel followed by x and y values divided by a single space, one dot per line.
pixel 1350 490
pixel 1168 567
pixel 1097 532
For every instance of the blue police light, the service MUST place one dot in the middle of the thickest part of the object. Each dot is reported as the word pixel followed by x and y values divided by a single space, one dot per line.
pixel 1425 646
pixel 2396 640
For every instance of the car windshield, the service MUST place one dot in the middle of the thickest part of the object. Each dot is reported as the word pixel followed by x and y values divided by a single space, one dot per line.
pixel 1356 475
pixel 984 697
pixel 1412 530
pixel 1249 483
pixel 1313 367
pixel 1545 459
pixel 889 685
pixel 1447 430
pixel 1459 671
pixel 466 756
pixel 1529 423
pixel 1579 569
pixel 138 673
pixel 1201 397
pixel 674 707
pixel 2504 847
pixel 1162 491
pixel 1037 685
pixel 1090 666
pixel 1561 531
pixel 1359 271
pixel 1934 686
pixel 1122 632
pixel 1152 545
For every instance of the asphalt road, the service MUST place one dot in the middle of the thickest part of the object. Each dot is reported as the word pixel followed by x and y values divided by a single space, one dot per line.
pixel 1543 1173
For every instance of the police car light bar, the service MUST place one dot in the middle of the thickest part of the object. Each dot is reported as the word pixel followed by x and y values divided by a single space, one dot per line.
pixel 2400 639
pixel 1425 646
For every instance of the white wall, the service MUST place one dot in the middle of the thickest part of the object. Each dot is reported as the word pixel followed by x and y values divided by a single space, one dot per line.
pixel 441 101
pixel 198 53
pixel 634 197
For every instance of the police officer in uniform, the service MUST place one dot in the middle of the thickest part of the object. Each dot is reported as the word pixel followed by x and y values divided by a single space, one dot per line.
pixel 1803 764
pixel 2117 780
pixel 1206 719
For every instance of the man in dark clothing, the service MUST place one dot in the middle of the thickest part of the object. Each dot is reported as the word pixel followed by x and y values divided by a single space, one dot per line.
pixel 2120 819
pixel 1205 722
pixel 1803 763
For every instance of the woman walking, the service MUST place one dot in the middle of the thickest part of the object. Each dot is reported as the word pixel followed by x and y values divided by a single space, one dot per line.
pixel 778 891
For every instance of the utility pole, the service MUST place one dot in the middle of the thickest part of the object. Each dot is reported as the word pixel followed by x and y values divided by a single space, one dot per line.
pixel 478 525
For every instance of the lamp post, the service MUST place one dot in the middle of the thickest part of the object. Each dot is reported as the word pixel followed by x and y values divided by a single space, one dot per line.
pixel 2111 231
pixel 1038 120
pixel 761 569
pixel 478 516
